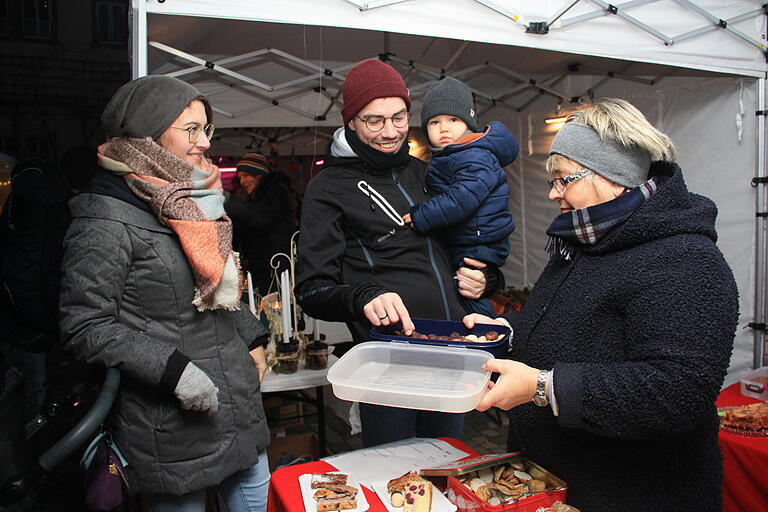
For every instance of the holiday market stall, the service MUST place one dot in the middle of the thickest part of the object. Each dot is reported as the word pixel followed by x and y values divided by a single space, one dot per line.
pixel 696 68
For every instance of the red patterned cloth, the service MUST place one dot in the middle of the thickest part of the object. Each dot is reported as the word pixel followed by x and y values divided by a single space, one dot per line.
pixel 745 462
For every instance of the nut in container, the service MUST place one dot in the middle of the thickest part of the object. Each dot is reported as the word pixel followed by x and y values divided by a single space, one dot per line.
pixel 500 483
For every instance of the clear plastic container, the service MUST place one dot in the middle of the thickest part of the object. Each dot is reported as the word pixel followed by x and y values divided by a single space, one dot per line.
pixel 755 384
pixel 413 376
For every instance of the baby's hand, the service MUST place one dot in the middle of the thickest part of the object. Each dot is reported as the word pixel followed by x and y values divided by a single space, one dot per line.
pixel 407 220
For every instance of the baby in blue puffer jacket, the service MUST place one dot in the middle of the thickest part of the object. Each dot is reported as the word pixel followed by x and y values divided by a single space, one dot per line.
pixel 466 179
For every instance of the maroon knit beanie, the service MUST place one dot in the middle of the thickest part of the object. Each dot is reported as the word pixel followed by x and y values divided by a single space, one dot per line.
pixel 369 80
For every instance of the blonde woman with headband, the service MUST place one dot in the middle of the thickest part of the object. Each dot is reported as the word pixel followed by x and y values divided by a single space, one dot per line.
pixel 623 346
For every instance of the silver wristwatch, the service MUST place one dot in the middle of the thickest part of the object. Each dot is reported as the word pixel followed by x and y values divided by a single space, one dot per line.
pixel 540 396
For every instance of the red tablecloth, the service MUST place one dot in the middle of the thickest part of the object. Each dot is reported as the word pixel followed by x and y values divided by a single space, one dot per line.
pixel 745 462
pixel 285 493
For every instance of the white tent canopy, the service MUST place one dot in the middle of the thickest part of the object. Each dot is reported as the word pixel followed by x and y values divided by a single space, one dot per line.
pixel 695 68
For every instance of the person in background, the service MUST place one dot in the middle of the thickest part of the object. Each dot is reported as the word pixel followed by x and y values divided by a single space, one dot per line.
pixel 78 165
pixel 32 226
pixel 151 286
pixel 623 345
pixel 263 213
pixel 470 195
pixel 358 262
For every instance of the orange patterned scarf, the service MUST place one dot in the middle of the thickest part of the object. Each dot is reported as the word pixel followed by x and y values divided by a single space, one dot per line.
pixel 188 200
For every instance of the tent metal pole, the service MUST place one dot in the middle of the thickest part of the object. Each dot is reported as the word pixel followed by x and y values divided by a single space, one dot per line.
pixel 602 12
pixel 716 21
pixel 631 19
pixel 197 60
pixel 364 6
pixel 562 11
pixel 455 55
pixel 710 28
pixel 138 38
pixel 760 233
pixel 228 60
pixel 501 10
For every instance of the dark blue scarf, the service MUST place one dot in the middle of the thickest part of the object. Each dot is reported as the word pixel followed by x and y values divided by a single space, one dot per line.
pixel 588 225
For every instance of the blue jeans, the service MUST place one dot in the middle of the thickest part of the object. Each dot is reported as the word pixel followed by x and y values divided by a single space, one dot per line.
pixel 244 491
pixel 386 424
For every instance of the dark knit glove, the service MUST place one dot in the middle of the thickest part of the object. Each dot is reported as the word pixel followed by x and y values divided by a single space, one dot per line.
pixel 494 281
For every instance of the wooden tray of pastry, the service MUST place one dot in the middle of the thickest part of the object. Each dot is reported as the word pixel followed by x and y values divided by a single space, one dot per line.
pixel 745 420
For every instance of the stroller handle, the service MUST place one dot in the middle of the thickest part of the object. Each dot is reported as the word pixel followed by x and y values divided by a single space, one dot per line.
pixel 85 428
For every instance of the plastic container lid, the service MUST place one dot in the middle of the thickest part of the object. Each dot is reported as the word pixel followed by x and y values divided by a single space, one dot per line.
pixel 412 376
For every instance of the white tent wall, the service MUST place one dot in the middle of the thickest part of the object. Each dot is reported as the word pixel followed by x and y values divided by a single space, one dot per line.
pixel 700 116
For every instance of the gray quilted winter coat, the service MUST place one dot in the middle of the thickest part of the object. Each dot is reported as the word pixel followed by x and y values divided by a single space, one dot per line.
pixel 126 301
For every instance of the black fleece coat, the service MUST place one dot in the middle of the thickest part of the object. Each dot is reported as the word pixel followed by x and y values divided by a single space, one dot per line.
pixel 351 250
pixel 639 330
pixel 263 225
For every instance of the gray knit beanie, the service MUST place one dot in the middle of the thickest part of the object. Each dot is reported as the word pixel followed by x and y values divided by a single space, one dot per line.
pixel 452 98
pixel 581 143
pixel 147 106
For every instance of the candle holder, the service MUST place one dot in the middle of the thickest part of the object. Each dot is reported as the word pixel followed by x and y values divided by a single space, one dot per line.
pixel 287 357
pixel 316 356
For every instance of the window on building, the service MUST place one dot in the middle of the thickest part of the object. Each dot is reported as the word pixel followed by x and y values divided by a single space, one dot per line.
pixel 110 22
pixel 4 25
pixel 38 19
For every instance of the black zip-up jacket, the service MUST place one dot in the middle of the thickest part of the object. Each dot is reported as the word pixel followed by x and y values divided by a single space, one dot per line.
pixel 352 247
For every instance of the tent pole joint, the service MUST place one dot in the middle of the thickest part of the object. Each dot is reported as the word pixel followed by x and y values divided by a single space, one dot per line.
pixel 722 23
pixel 612 9
pixel 537 27
pixel 209 64
pixel 761 180
pixel 757 326
pixel 385 56
pixel 761 112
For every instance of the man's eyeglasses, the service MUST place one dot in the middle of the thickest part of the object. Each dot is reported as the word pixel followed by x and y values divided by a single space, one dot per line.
pixel 196 130
pixel 376 123
pixel 559 183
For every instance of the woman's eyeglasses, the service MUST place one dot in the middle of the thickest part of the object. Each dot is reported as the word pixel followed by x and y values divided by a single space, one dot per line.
pixel 559 183
pixel 376 123
pixel 196 130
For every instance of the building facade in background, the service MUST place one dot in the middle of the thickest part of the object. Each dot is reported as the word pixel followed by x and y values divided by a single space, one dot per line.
pixel 61 61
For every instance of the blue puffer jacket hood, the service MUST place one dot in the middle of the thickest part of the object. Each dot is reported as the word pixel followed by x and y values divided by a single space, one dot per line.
pixel 496 138
pixel 469 188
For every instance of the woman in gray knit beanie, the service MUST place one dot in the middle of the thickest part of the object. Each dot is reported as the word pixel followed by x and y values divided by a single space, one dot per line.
pixel 151 285
pixel 635 303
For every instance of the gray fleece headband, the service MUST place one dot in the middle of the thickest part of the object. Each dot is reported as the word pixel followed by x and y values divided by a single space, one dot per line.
pixel 581 143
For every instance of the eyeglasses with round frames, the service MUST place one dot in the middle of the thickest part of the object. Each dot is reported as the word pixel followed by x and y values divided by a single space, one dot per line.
pixel 559 183
pixel 196 130
pixel 376 123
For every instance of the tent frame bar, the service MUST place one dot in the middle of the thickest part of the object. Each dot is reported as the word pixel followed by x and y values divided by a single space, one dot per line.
pixel 718 23
pixel 364 6
pixel 715 26
pixel 139 37
pixel 500 10
pixel 761 224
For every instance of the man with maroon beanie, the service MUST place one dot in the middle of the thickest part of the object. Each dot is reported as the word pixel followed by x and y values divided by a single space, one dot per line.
pixel 358 262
